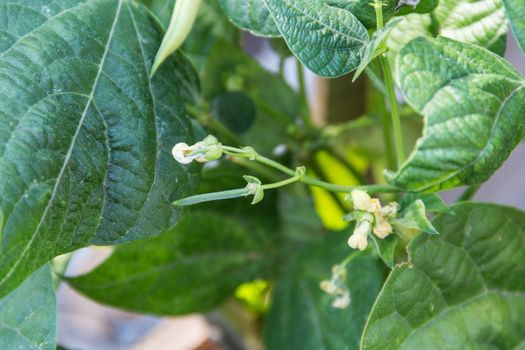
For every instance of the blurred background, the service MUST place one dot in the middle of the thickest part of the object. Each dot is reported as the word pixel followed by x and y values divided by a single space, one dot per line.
pixel 86 325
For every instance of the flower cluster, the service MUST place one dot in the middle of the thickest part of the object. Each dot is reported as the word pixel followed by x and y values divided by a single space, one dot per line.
pixel 369 217
pixel 203 151
pixel 336 287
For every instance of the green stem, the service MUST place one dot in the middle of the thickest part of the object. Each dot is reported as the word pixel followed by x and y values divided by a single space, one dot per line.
pixel 282 183
pixel 350 257
pixel 469 193
pixel 389 82
pixel 305 114
pixel 394 109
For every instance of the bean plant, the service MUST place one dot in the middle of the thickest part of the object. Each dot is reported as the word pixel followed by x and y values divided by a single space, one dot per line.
pixel 147 126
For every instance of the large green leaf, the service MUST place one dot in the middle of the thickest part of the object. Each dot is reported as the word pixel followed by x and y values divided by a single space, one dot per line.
pixel 474 107
pixel 326 39
pixel 302 316
pixel 463 289
pixel 516 13
pixel 192 267
pixel 28 314
pixel 252 15
pixel 85 137
pixel 480 22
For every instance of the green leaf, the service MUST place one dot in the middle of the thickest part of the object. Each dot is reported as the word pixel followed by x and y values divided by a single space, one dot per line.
pixel 480 22
pixel 515 10
pixel 86 137
pixel 414 217
pixel 473 103
pixel 28 314
pixel 251 15
pixel 423 6
pixel 375 47
pixel 364 11
pixel 386 248
pixel 463 289
pixel 432 201
pixel 302 316
pixel 335 49
pixel 191 268
pixel 235 110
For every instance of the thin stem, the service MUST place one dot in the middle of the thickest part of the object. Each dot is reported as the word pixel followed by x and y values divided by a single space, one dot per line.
pixel 303 95
pixel 282 183
pixel 389 82
pixel 350 257
pixel 394 110
pixel 469 193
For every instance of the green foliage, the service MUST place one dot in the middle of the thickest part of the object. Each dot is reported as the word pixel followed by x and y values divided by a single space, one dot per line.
pixel 480 22
pixel 28 315
pixel 86 136
pixel 363 10
pixel 190 268
pixel 302 315
pixel 251 15
pixel 463 289
pixel 335 50
pixel 516 13
pixel 473 104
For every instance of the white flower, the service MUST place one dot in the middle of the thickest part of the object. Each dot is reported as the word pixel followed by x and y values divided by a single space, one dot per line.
pixel 180 153
pixel 328 287
pixel 361 200
pixel 388 210
pixel 203 151
pixel 375 206
pixel 359 239
pixel 382 229
pixel 342 301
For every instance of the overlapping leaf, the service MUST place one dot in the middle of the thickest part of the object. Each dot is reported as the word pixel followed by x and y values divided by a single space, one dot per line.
pixel 28 314
pixel 326 39
pixel 463 289
pixel 302 316
pixel 473 103
pixel 480 22
pixel 192 267
pixel 251 15
pixel 516 13
pixel 85 137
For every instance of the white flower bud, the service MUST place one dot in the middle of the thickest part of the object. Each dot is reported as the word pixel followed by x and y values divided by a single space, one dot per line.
pixel 180 153
pixel 361 200
pixel 342 301
pixel 382 229
pixel 328 287
pixel 359 239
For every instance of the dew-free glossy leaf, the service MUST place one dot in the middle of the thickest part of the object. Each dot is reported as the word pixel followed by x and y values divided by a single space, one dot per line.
pixel 515 10
pixel 474 107
pixel 463 289
pixel 190 268
pixel 251 15
pixel 302 316
pixel 28 314
pixel 85 136
pixel 326 39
